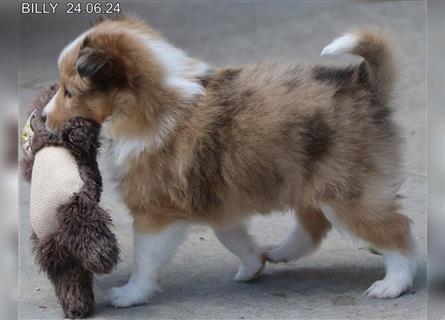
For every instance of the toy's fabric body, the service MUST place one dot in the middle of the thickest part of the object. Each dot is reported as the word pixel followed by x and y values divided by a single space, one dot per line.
pixel 55 179
pixel 71 232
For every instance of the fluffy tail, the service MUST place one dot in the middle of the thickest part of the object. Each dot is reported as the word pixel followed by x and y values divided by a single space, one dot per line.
pixel 375 46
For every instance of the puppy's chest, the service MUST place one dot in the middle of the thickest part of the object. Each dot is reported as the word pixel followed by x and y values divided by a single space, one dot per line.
pixel 143 176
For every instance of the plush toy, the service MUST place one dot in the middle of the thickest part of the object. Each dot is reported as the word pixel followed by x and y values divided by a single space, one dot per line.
pixel 71 236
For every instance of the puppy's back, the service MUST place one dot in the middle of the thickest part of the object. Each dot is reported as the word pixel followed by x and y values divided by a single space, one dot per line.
pixel 277 133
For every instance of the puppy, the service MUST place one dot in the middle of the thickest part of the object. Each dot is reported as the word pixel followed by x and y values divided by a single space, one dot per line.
pixel 188 143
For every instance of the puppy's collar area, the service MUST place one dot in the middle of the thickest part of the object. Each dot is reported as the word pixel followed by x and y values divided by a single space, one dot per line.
pixel 122 148
pixel 205 79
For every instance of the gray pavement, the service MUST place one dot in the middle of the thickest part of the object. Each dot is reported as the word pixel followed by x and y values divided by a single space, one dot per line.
pixel 197 284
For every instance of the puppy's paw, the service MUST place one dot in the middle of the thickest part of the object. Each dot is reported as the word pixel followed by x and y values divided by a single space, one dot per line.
pixel 129 295
pixel 389 288
pixel 250 271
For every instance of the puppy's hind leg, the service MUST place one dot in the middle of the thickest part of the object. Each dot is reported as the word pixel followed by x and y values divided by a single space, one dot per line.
pixel 306 235
pixel 237 240
pixel 389 231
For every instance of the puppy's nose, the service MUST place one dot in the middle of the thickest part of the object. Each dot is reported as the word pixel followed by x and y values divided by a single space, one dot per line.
pixel 43 116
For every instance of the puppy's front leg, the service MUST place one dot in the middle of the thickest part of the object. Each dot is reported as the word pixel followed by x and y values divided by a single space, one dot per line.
pixel 151 251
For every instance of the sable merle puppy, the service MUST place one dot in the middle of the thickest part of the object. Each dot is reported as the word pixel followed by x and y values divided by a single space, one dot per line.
pixel 188 143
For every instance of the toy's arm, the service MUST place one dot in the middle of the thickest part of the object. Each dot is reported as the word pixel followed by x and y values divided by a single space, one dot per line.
pixel 85 230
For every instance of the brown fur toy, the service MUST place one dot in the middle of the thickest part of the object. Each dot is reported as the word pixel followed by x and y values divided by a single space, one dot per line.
pixel 71 235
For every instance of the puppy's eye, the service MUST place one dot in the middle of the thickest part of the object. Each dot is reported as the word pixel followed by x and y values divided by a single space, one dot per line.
pixel 67 93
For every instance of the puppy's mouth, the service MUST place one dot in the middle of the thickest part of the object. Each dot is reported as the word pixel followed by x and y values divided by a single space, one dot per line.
pixel 50 126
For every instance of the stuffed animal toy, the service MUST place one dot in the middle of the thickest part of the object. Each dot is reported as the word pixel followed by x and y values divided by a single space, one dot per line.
pixel 72 238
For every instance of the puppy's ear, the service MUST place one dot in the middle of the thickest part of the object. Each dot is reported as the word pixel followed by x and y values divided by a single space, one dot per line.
pixel 100 66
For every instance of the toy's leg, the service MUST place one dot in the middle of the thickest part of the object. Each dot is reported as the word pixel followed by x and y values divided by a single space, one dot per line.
pixel 74 288
pixel 237 240
pixel 72 283
pixel 151 251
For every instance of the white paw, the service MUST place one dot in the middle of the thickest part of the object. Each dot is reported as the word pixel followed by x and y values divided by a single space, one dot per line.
pixel 389 288
pixel 247 272
pixel 129 295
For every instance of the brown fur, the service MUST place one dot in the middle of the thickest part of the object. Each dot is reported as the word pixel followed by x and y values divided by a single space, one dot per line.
pixel 314 222
pixel 72 283
pixel 263 138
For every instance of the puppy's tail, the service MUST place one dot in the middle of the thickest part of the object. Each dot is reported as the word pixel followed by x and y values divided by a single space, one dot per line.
pixel 376 47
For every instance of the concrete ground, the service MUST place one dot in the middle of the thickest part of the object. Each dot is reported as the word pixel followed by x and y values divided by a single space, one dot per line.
pixel 197 284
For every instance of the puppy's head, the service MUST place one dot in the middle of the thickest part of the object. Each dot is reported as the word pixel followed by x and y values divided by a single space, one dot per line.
pixel 106 73
pixel 124 73
pixel 89 78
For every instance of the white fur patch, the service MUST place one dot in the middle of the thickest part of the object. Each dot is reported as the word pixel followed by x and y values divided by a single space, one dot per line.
pixel 123 148
pixel 151 251
pixel 343 44
pixel 120 149
pixel 116 152
pixel 72 45
pixel 181 71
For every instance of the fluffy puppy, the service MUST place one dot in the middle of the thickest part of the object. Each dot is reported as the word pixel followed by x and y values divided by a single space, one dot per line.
pixel 188 143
